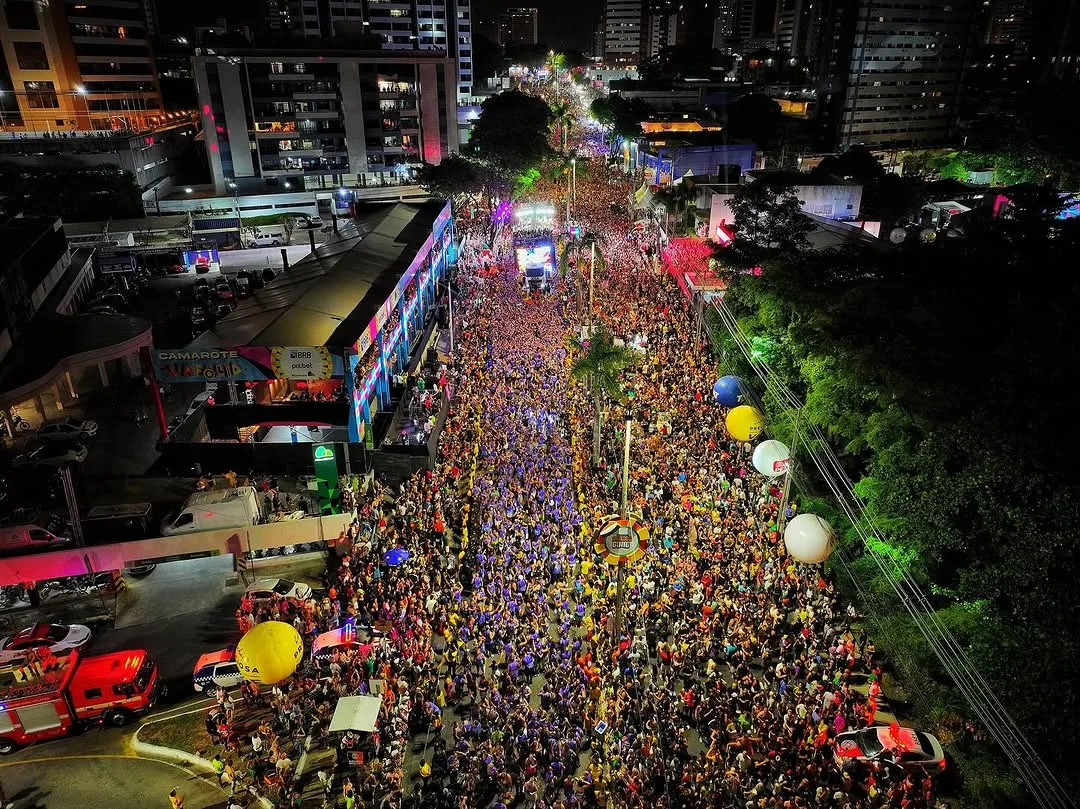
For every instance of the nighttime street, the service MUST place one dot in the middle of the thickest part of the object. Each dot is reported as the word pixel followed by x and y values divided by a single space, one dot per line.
pixel 645 405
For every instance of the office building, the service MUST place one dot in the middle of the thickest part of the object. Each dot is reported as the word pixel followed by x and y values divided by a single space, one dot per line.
pixel 723 24
pixel 622 31
pixel 889 73
pixel 793 26
pixel 1011 22
pixel 598 41
pixel 76 66
pixel 324 118
pixel 661 27
pixel 518 26
pixel 439 25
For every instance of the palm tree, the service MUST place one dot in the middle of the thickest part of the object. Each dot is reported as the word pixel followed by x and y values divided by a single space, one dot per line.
pixel 588 244
pixel 602 363
pixel 562 119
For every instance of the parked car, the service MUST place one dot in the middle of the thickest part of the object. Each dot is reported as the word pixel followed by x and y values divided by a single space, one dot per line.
pixel 267 238
pixel 891 744
pixel 223 291
pixel 222 310
pixel 243 286
pixel 215 669
pixel 254 278
pixel 176 269
pixel 55 637
pixel 114 299
pixel 53 454
pixel 307 222
pixel 68 429
pixel 201 283
pixel 266 589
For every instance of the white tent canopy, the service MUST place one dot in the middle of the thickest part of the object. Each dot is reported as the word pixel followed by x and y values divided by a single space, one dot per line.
pixel 356 713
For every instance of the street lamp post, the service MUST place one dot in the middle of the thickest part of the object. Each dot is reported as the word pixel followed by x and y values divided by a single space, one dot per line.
pixel 573 174
pixel 624 510
pixel 236 203
pixel 567 199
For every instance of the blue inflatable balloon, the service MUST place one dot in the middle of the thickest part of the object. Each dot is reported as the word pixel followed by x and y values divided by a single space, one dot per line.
pixel 727 391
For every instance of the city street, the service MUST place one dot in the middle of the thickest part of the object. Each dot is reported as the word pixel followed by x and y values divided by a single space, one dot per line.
pixel 46 778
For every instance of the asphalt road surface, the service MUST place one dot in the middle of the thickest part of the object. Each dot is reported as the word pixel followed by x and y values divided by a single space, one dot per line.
pixel 117 781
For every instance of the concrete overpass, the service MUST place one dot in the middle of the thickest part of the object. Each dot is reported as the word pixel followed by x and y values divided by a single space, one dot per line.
pixel 96 558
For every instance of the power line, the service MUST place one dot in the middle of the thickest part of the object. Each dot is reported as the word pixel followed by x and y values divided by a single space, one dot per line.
pixel 967 678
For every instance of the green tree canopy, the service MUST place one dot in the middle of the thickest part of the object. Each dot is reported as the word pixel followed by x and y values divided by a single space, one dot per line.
pixel 622 116
pixel 948 397
pixel 768 218
pixel 512 130
pixel 755 117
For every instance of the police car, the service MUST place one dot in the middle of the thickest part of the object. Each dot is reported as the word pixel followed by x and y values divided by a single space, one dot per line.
pixel 217 668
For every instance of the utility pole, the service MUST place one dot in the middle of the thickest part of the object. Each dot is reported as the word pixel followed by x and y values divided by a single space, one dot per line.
pixel 781 518
pixel 72 505
pixel 592 267
pixel 624 510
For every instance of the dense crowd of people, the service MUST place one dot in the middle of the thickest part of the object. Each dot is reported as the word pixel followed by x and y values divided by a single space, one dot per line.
pixel 491 646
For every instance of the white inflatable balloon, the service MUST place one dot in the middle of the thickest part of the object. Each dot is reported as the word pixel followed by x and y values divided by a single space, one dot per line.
pixel 771 458
pixel 809 538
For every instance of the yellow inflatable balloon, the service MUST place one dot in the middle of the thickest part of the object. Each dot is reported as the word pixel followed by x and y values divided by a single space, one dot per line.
pixel 269 652
pixel 744 423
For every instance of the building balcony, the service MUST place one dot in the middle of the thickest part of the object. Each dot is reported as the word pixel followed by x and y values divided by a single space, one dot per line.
pixel 328 95
pixel 321 115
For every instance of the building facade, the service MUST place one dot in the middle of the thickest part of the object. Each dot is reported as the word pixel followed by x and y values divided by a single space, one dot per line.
pixel 323 119
pixel 661 27
pixel 519 26
pixel 440 25
pixel 889 73
pixel 622 31
pixel 76 66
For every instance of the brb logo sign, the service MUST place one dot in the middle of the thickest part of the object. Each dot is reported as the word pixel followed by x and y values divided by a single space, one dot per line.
pixel 621 540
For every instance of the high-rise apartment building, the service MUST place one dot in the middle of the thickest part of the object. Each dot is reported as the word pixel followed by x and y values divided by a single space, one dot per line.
pixel 889 73
pixel 622 31
pixel 519 26
pixel 661 27
pixel 598 40
pixel 435 25
pixel 1011 22
pixel 321 119
pixel 76 66
pixel 793 26
pixel 723 24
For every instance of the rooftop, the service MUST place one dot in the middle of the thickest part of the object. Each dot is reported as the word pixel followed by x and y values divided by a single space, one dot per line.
pixel 789 177
pixel 329 298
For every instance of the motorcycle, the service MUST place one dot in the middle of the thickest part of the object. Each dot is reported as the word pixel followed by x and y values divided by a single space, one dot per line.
pixel 21 425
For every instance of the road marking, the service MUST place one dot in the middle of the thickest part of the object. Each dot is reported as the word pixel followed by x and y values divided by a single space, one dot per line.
pixel 170 715
pixel 51 759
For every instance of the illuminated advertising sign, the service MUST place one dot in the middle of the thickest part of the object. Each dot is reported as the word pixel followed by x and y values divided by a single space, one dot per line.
pixel 248 363
pixel 536 260
pixel 200 261
pixel 441 221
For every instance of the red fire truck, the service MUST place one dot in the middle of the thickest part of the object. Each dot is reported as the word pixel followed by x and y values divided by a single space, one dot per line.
pixel 47 696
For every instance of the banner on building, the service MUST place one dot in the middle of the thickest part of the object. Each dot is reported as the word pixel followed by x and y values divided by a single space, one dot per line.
pixel 248 364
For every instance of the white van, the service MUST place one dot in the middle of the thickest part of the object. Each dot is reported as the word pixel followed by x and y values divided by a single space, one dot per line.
pixel 217 508
pixel 268 236
pixel 29 538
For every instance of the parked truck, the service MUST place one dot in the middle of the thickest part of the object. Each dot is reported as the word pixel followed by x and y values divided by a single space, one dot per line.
pixel 217 508
pixel 46 696
pixel 103 525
